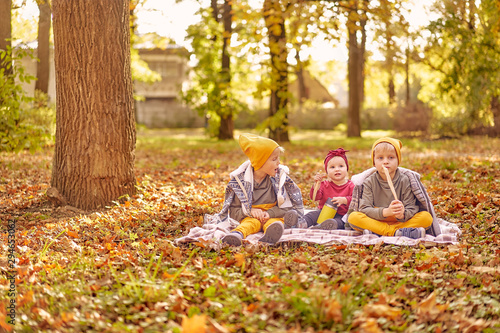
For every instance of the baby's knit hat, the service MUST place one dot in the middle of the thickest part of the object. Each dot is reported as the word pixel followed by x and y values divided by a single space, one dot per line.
pixel 257 148
pixel 394 142
pixel 340 152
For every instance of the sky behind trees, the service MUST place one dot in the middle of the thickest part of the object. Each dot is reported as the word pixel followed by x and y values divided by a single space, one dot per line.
pixel 170 19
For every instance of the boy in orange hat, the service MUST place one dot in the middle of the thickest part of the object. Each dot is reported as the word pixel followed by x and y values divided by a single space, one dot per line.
pixel 260 194
pixel 378 211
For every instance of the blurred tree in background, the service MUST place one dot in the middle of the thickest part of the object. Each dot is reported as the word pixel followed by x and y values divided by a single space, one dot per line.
pixel 463 52
pixel 439 79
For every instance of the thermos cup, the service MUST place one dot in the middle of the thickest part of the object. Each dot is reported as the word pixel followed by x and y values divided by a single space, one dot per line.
pixel 328 211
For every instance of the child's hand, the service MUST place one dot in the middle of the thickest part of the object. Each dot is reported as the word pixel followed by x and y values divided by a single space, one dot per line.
pixel 260 215
pixel 339 201
pixel 319 177
pixel 396 209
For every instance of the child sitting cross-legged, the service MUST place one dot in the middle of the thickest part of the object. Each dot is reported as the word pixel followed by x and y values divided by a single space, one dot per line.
pixel 260 195
pixel 387 211
pixel 336 189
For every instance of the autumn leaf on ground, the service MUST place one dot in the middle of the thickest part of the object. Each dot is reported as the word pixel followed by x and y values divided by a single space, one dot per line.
pixel 240 259
pixel 428 310
pixel 381 310
pixel 368 325
pixel 333 311
pixel 3 322
pixel 195 324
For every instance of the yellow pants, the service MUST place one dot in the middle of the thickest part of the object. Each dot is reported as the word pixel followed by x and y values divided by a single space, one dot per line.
pixel 360 221
pixel 251 225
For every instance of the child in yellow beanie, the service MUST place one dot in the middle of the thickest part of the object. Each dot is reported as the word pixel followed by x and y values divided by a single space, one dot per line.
pixel 261 195
pixel 378 210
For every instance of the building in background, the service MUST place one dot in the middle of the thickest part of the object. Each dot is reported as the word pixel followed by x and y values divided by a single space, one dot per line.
pixel 159 105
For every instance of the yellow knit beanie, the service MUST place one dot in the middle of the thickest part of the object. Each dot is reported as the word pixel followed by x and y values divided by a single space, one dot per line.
pixel 394 142
pixel 257 148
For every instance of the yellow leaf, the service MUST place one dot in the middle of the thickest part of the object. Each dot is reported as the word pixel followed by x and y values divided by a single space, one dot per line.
pixel 240 259
pixel 67 317
pixel 195 324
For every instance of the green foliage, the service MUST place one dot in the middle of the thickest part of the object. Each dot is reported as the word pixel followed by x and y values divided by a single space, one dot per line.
pixel 464 50
pixel 25 122
pixel 209 93
pixel 140 69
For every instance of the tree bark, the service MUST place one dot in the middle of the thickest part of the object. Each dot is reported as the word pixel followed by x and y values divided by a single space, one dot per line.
pixel 43 69
pixel 354 76
pixel 5 32
pixel 226 128
pixel 278 106
pixel 95 126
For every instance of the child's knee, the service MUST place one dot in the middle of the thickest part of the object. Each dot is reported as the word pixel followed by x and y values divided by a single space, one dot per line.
pixel 425 218
pixel 355 217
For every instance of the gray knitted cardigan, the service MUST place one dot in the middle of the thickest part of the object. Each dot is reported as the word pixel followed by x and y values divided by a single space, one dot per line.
pixel 417 187
pixel 241 185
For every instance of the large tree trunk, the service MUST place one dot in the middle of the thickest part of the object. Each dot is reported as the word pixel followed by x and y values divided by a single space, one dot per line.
pixel 43 69
pixel 5 32
pixel 354 76
pixel 226 128
pixel 278 107
pixel 95 126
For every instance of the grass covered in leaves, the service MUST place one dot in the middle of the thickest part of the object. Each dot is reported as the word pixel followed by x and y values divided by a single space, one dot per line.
pixel 118 269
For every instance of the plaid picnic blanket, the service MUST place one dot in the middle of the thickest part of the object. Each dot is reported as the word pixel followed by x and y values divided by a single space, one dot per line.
pixel 210 235
pixel 441 231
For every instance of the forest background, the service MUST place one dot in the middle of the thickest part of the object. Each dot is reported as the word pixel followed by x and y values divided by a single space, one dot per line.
pixel 95 204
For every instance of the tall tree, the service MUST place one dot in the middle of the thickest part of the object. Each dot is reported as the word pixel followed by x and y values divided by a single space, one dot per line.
pixel 356 23
pixel 212 92
pixel 392 26
pixel 278 108
pixel 95 128
pixel 5 33
pixel 226 128
pixel 464 48
pixel 43 68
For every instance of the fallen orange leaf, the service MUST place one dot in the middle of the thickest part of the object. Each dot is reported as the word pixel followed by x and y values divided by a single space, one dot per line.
pixel 195 324
pixel 382 310
pixel 300 259
pixel 333 311
pixel 428 310
pixel 28 297
pixel 345 288
pixel 4 324
pixel 370 326
pixel 251 307
pixel 240 259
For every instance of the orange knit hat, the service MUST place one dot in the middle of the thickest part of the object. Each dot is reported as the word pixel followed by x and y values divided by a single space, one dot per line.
pixel 394 142
pixel 257 148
